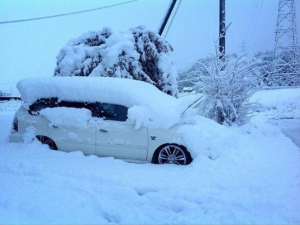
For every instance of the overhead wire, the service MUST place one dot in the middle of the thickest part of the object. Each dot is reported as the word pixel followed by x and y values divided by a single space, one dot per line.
pixel 67 14
pixel 266 39
pixel 251 19
pixel 255 24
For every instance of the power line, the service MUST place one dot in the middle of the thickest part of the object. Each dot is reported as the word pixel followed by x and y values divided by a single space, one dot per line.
pixel 266 38
pixel 255 24
pixel 251 19
pixel 66 14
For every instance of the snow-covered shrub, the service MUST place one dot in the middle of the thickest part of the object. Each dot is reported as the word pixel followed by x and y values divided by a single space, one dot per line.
pixel 138 54
pixel 227 86
pixel 191 76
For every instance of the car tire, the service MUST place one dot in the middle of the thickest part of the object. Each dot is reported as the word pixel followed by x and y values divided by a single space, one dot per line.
pixel 47 141
pixel 172 154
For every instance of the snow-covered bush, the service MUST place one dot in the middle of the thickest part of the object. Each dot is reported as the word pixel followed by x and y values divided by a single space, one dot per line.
pixel 191 76
pixel 138 54
pixel 227 86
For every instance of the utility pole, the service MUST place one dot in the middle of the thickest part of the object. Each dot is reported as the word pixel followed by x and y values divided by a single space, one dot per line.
pixel 286 65
pixel 165 21
pixel 222 30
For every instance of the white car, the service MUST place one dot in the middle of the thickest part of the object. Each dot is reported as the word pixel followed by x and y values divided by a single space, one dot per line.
pixel 99 116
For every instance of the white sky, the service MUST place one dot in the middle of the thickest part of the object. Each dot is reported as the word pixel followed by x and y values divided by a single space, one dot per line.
pixel 29 49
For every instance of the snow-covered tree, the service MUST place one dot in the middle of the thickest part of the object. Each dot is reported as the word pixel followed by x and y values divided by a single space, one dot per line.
pixel 138 54
pixel 266 65
pixel 286 68
pixel 155 59
pixel 227 86
pixel 287 74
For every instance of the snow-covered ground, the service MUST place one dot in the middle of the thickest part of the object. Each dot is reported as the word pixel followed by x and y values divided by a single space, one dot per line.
pixel 244 175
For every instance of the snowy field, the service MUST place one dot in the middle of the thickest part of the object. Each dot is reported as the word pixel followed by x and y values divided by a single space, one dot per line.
pixel 244 175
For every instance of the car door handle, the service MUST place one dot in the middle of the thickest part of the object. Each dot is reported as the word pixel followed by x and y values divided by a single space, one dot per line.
pixel 103 131
pixel 55 126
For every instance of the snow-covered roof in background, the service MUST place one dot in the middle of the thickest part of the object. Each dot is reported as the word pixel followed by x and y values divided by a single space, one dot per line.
pixel 125 92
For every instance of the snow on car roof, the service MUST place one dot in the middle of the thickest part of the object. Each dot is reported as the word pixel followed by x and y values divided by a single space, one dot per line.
pixel 121 91
pixel 147 105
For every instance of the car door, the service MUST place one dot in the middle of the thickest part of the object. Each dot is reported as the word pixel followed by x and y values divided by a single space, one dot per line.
pixel 75 137
pixel 116 137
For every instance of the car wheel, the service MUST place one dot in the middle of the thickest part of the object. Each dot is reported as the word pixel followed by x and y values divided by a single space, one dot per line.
pixel 47 141
pixel 172 154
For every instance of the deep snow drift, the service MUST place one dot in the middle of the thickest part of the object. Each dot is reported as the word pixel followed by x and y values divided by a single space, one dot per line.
pixel 248 174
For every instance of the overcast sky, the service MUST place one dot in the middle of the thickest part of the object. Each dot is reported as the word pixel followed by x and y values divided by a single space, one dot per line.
pixel 29 49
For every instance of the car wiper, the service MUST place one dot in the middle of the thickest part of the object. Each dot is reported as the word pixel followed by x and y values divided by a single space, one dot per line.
pixel 195 104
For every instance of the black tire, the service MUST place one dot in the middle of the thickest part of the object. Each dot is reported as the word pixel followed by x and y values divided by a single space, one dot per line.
pixel 172 154
pixel 47 141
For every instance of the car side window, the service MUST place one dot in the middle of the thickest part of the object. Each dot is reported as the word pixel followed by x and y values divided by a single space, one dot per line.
pixel 108 111
pixel 77 105
pixel 42 103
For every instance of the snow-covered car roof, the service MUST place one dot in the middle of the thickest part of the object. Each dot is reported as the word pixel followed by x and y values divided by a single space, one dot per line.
pixel 121 91
pixel 147 105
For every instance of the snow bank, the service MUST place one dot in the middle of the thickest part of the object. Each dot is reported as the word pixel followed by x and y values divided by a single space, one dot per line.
pixel 282 103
